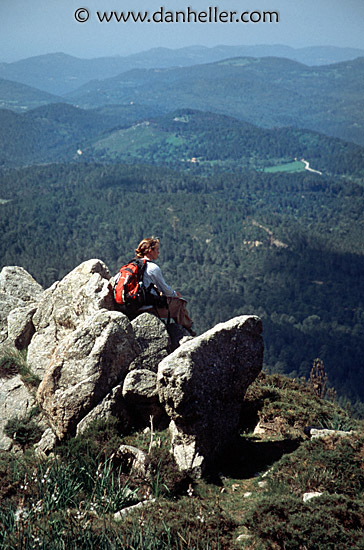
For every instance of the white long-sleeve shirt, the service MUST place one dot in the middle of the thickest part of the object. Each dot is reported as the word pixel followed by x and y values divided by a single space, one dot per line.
pixel 153 274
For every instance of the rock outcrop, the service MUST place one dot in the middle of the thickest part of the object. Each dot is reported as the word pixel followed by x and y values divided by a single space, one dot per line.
pixel 20 326
pixel 47 443
pixel 130 458
pixel 16 282
pixel 15 401
pixel 64 306
pixel 153 341
pixel 85 367
pixel 94 363
pixel 19 290
pixel 113 405
pixel 140 393
pixel 202 384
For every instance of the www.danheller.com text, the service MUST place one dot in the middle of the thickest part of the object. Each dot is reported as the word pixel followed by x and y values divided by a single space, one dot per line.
pixel 212 14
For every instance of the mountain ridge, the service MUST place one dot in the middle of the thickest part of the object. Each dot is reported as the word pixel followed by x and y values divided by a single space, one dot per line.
pixel 190 136
pixel 59 73
pixel 20 97
pixel 267 92
pixel 184 139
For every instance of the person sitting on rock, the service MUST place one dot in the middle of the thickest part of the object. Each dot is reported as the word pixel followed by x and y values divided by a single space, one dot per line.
pixel 148 249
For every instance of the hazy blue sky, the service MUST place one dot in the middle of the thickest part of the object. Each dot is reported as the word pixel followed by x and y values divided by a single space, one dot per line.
pixel 33 27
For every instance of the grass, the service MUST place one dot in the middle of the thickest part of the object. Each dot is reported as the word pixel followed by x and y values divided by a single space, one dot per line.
pixel 69 501
pixel 13 362
pixel 279 518
pixel 286 406
pixel 335 467
pixel 325 523
pixel 131 140
pixel 256 490
pixel 25 431
pixel 295 166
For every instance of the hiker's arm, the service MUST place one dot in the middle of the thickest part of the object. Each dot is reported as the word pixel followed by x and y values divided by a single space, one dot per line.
pixel 157 278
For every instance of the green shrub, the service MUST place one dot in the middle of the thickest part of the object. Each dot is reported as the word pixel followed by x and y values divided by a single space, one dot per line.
pixel 13 362
pixel 333 465
pixel 165 477
pixel 98 441
pixel 25 431
pixel 293 402
pixel 325 523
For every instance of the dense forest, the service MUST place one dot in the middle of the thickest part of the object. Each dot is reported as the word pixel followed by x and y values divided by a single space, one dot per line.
pixel 288 247
pixel 268 92
pixel 250 170
pixel 221 143
pixel 186 139
pixel 245 227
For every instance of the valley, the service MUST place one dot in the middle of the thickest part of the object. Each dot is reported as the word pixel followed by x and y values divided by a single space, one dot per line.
pixel 249 169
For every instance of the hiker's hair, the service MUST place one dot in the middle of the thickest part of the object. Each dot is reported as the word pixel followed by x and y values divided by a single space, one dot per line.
pixel 145 246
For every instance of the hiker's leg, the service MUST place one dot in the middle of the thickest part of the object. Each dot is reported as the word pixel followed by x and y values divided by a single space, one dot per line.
pixel 178 312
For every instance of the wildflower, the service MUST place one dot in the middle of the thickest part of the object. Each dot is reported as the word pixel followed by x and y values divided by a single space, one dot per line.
pixel 38 506
pixel 147 494
pixel 20 514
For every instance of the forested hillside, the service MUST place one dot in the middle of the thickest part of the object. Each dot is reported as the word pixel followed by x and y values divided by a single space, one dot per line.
pixel 210 158
pixel 267 92
pixel 47 133
pixel 288 247
pixel 20 97
pixel 207 142
pixel 185 139
pixel 55 132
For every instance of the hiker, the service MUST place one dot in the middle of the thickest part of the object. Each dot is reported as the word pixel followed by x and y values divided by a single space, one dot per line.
pixel 148 249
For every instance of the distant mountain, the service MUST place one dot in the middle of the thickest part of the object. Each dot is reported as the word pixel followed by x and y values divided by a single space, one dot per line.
pixel 188 139
pixel 192 55
pixel 123 116
pixel 185 140
pixel 55 132
pixel 20 97
pixel 44 134
pixel 267 92
pixel 59 73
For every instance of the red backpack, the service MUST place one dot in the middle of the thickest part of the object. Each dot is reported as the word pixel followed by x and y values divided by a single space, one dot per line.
pixel 129 290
